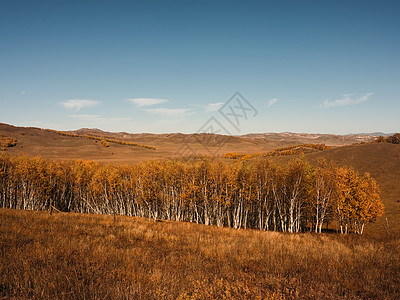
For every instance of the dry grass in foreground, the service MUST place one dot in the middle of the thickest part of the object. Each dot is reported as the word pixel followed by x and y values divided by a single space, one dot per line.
pixel 75 256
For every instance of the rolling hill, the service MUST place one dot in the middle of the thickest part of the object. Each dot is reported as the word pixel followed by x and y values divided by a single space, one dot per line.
pixel 52 145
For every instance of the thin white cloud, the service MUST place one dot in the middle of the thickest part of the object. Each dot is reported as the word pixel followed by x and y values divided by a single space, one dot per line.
pixel 140 102
pixel 145 104
pixel 98 118
pixel 22 93
pixel 169 112
pixel 79 103
pixel 210 107
pixel 272 102
pixel 347 99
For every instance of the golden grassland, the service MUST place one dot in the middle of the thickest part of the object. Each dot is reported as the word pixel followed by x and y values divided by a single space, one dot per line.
pixel 86 144
pixel 78 256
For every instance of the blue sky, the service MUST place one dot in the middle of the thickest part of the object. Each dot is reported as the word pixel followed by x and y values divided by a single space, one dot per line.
pixel 168 66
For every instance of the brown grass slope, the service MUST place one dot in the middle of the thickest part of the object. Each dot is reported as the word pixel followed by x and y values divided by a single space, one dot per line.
pixel 50 145
pixel 73 256
pixel 382 161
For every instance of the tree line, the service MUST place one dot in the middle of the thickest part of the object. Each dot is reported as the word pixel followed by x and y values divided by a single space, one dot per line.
pixel 258 193
pixel 103 139
pixel 393 139
pixel 285 151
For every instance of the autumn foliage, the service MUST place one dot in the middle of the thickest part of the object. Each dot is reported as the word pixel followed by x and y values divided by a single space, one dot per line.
pixel 103 139
pixel 105 143
pixel 284 151
pixel 393 139
pixel 243 194
pixel 6 142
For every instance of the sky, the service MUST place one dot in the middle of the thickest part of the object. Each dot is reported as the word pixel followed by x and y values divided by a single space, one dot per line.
pixel 232 67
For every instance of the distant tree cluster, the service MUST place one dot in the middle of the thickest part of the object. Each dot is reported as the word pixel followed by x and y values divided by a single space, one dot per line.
pixel 241 194
pixel 105 143
pixel 285 151
pixel 320 147
pixel 393 139
pixel 6 142
pixel 103 139
pixel 243 156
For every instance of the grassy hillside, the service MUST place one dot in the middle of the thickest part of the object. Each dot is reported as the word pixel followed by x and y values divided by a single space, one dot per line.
pixel 73 256
pixel 51 145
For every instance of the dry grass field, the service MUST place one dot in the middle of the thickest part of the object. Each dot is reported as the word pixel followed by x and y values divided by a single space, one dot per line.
pixel 73 256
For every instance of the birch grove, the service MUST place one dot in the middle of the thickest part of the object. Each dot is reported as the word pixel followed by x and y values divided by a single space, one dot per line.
pixel 257 193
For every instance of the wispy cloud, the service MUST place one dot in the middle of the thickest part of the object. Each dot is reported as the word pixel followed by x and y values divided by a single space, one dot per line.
pixel 272 102
pixel 98 118
pixel 169 112
pixel 347 99
pixel 22 93
pixel 210 107
pixel 140 102
pixel 145 104
pixel 79 103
